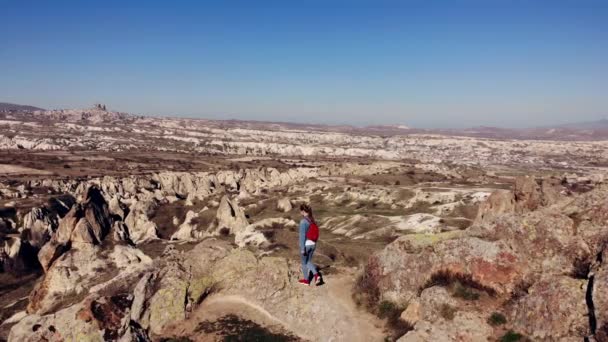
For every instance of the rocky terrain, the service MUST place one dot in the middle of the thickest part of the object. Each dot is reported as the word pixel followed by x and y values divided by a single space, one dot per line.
pixel 115 227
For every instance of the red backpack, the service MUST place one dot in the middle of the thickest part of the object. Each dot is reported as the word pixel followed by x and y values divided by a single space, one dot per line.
pixel 313 231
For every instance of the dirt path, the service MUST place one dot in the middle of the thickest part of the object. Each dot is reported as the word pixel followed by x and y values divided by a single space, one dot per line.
pixel 364 327
pixel 367 326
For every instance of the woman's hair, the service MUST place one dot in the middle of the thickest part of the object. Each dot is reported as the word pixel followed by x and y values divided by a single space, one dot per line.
pixel 305 207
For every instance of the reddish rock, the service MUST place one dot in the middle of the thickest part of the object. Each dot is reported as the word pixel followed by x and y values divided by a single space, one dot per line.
pixel 554 309
pixel 490 265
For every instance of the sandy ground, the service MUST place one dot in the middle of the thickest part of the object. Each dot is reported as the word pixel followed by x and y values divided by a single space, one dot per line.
pixel 20 170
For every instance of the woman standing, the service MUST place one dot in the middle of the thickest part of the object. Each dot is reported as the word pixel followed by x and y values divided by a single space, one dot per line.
pixel 309 234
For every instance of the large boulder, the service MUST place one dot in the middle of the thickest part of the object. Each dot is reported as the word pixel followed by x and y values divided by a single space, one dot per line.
pixel 168 304
pixel 408 265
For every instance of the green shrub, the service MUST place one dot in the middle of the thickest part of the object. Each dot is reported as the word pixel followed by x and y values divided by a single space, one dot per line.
pixel 464 292
pixel 462 285
pixel 392 313
pixel 388 309
pixel 366 291
pixel 511 336
pixel 236 329
pixel 447 311
pixel 497 319
pixel 399 328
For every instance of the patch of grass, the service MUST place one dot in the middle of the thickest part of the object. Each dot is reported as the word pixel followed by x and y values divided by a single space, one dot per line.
pixel 175 339
pixel 269 234
pixel 511 336
pixel 392 313
pixel 462 285
pixel 497 319
pixel 388 309
pixel 235 329
pixel 366 291
pixel 447 311
pixel 464 292
pixel 399 328
pixel 224 231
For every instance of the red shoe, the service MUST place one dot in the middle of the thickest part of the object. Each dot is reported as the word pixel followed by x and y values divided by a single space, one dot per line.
pixel 318 279
pixel 304 282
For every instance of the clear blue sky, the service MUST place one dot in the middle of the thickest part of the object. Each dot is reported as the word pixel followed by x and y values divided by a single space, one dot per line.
pixel 421 63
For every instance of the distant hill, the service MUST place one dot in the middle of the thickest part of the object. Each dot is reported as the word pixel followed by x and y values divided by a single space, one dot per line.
pixel 98 114
pixel 599 124
pixel 11 107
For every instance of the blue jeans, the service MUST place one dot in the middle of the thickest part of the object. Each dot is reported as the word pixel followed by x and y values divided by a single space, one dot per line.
pixel 307 265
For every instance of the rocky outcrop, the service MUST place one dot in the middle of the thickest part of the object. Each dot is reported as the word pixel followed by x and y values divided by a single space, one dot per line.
pixel 407 268
pixel 171 293
pixel 117 208
pixel 553 309
pixel 188 229
pixel 38 226
pixel 528 194
pixel 87 223
pixel 64 325
pixel 597 298
pixel 230 218
pixel 141 229
pixel 83 271
pixel 498 203
pixel 168 304
pixel 11 260
pixel 537 258
pixel 74 260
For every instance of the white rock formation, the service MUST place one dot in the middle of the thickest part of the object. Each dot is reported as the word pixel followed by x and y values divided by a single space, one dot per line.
pixel 141 229
pixel 188 229
pixel 284 205
pixel 230 218
pixel 251 236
